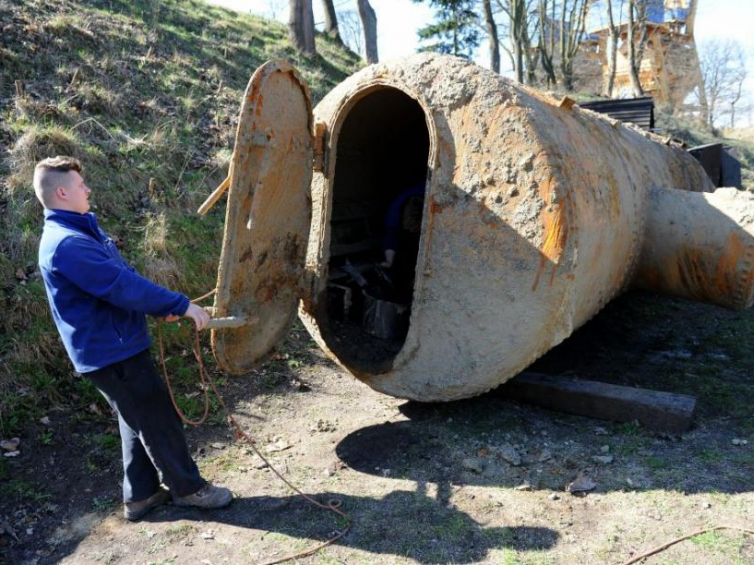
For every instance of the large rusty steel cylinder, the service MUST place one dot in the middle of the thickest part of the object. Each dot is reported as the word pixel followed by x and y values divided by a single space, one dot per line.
pixel 700 246
pixel 536 214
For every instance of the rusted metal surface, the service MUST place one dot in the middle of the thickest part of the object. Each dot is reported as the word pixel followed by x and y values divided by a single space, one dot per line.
pixel 268 217
pixel 700 246
pixel 537 213
pixel 535 218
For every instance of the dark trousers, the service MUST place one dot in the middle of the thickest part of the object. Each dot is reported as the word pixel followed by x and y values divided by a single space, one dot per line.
pixel 154 447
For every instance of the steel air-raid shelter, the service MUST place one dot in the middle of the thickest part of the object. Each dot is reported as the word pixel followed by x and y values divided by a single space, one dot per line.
pixel 535 214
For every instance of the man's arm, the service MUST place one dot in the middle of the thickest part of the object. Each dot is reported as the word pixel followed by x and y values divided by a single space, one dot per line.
pixel 90 268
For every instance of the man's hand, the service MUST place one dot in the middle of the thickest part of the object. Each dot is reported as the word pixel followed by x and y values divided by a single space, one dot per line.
pixel 389 258
pixel 197 313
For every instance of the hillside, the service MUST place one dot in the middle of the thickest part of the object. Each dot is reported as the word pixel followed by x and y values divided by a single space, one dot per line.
pixel 146 94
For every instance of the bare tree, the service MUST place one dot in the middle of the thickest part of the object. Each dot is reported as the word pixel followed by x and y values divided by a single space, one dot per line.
pixel 520 18
pixel 274 7
pixel 531 56
pixel 571 33
pixel 546 45
pixel 560 30
pixel 736 97
pixel 331 21
pixel 301 26
pixel 369 23
pixel 637 40
pixel 350 25
pixel 723 67
pixel 612 47
pixel 489 20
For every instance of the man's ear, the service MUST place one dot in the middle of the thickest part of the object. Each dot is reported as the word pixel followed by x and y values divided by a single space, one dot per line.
pixel 61 192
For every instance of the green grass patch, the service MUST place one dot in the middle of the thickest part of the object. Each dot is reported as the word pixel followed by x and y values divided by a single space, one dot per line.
pixel 108 442
pixel 23 490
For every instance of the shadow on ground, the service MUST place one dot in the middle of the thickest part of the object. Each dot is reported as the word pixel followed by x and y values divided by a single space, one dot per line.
pixel 407 524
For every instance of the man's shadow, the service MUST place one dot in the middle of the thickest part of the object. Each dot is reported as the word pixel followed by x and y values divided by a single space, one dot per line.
pixel 403 523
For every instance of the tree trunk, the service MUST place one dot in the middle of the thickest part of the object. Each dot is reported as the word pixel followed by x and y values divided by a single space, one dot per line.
pixel 492 34
pixel 531 56
pixel 331 21
pixel 546 46
pixel 571 33
pixel 369 23
pixel 301 26
pixel 633 64
pixel 517 22
pixel 612 54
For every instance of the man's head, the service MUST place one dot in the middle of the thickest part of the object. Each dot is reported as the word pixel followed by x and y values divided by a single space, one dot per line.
pixel 59 185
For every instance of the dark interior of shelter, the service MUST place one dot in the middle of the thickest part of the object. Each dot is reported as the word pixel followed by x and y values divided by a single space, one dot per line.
pixel 378 202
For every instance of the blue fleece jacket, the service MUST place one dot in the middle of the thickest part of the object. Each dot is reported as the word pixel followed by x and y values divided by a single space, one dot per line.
pixel 393 216
pixel 98 301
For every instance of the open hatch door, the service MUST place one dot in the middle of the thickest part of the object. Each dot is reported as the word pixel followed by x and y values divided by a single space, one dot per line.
pixel 268 218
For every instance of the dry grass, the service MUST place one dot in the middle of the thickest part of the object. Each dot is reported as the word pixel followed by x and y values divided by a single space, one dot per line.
pixel 159 264
pixel 39 142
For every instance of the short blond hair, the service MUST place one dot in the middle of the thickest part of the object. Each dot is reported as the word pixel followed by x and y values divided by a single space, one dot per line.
pixel 50 173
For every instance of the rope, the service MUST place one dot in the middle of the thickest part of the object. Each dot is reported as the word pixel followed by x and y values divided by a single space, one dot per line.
pixel 664 546
pixel 207 383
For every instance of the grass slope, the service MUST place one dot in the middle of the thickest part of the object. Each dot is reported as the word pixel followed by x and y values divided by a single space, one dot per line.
pixel 146 94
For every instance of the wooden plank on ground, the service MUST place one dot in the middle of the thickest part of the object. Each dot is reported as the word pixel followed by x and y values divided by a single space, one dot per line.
pixel 661 411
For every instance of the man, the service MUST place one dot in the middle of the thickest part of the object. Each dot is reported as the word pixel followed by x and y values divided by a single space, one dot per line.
pixel 98 303
pixel 400 242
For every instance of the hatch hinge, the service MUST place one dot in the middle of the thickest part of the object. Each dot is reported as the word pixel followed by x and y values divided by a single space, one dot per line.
pixel 320 147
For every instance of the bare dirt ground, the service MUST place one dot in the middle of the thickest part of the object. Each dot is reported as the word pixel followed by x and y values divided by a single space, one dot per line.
pixel 480 480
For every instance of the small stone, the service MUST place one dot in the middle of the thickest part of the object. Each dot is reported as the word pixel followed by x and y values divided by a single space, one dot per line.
pixel 581 484
pixel 523 487
pixel 603 459
pixel 739 441
pixel 475 464
pixel 600 431
pixel 513 192
pixel 509 454
pixel 553 496
pixel 545 455
pixel 10 444
pixel 605 449
pixel 706 505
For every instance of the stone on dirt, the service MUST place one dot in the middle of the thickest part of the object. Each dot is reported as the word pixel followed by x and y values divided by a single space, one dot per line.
pixel 509 454
pixel 475 464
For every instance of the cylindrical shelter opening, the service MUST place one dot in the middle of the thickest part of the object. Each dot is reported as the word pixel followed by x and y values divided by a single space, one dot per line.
pixel 378 194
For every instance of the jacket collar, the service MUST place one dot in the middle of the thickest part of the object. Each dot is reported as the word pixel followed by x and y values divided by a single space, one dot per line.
pixel 84 223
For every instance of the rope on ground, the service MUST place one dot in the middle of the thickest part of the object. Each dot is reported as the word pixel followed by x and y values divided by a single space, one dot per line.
pixel 207 383
pixel 664 546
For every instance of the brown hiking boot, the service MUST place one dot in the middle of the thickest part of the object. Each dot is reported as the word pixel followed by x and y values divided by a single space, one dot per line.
pixel 133 511
pixel 209 496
